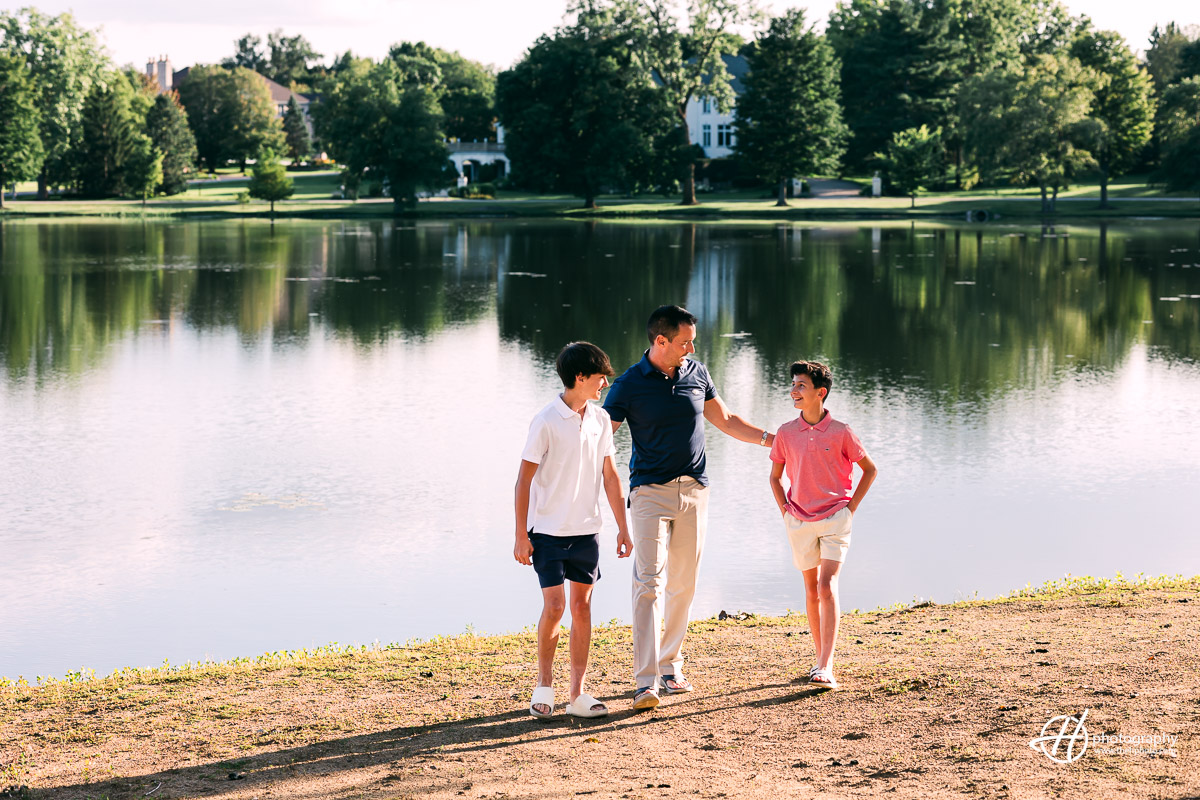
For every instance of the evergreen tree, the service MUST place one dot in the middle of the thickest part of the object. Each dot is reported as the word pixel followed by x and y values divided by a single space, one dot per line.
pixel 269 181
pixel 20 146
pixel 789 120
pixel 901 67
pixel 166 124
pixel 112 140
pixel 295 131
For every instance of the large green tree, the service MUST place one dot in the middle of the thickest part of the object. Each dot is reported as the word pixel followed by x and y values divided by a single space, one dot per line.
pixel 1028 124
pixel 789 120
pixel 1123 106
pixel 167 127
pixel 231 115
pixel 20 146
pixel 386 118
pixel 1180 135
pixel 682 46
pixel 466 90
pixel 580 117
pixel 64 61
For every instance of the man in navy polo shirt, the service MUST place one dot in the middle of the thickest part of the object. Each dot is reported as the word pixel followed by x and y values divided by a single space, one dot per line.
pixel 666 397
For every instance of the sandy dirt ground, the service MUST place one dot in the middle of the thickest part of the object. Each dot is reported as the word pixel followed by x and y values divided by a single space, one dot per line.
pixel 936 702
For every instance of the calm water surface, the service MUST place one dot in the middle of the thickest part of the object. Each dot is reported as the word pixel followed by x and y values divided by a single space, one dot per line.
pixel 223 438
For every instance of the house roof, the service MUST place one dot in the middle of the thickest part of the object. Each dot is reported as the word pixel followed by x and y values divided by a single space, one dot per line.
pixel 280 94
pixel 737 66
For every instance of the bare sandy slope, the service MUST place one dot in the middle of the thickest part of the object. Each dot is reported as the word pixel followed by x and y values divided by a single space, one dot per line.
pixel 936 702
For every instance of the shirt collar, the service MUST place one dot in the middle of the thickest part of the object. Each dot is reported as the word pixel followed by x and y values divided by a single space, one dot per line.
pixel 645 366
pixel 565 411
pixel 648 369
pixel 822 426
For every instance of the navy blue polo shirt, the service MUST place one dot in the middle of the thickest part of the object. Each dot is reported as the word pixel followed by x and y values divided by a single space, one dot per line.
pixel 666 420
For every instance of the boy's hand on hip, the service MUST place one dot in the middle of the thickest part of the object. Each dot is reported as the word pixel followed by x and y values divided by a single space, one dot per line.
pixel 624 544
pixel 523 550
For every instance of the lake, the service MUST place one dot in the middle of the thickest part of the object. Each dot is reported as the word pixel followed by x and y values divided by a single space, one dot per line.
pixel 219 439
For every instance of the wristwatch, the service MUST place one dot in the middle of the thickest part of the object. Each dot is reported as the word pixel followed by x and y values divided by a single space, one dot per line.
pixel 763 440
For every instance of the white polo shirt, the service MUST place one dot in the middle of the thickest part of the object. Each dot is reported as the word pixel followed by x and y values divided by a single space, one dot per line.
pixel 569 450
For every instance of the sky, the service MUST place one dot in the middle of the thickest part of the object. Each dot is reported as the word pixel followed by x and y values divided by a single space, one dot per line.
pixel 488 31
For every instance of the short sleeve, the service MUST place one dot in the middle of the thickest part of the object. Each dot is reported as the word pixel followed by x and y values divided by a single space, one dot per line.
pixel 606 446
pixel 777 454
pixel 851 446
pixel 710 388
pixel 538 441
pixel 614 402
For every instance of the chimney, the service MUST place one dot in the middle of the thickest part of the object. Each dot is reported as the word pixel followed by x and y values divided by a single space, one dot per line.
pixel 165 74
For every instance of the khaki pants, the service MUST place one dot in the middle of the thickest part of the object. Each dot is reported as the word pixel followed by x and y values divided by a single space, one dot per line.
pixel 669 522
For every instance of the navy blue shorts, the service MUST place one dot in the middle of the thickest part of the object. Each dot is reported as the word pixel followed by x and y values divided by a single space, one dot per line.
pixel 558 558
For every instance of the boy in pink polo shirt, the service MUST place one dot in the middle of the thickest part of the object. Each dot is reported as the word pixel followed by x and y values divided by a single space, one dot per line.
pixel 819 454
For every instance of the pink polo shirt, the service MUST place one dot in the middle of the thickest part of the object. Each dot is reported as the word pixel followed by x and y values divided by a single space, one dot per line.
pixel 818 460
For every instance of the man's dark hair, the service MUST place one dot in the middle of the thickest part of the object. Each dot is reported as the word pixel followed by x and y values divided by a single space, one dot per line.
pixel 820 375
pixel 581 358
pixel 665 321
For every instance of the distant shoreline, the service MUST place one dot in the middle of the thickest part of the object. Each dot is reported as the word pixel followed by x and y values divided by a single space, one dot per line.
pixel 983 208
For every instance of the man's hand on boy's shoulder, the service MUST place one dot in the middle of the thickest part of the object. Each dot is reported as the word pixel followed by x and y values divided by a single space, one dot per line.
pixel 624 544
pixel 523 549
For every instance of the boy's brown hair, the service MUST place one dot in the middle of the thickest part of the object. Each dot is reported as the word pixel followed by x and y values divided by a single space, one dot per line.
pixel 820 375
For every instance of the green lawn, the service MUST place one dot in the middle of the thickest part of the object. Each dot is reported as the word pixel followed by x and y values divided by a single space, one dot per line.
pixel 1130 196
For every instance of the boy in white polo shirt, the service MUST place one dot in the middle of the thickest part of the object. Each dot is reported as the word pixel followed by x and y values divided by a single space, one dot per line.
pixel 568 455
pixel 819 454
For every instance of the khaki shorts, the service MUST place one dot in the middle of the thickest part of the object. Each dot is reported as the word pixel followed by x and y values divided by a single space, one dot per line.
pixel 812 541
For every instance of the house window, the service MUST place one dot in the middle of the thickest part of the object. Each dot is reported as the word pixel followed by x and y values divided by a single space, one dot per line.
pixel 707 105
pixel 724 136
pixel 707 135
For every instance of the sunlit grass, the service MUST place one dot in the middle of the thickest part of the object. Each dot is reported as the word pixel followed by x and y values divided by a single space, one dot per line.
pixel 400 661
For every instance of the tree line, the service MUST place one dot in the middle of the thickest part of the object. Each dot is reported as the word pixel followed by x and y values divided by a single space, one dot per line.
pixel 934 94
pixel 71 120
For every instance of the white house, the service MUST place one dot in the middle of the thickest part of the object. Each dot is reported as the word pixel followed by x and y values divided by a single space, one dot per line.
pixel 468 157
pixel 710 128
